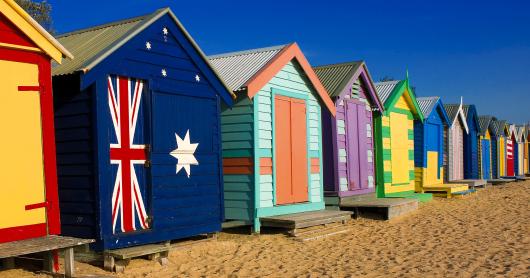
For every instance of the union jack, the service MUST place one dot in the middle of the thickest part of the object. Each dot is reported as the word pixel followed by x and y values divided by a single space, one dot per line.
pixel 125 95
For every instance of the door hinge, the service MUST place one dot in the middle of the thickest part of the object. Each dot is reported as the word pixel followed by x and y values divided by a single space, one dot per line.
pixel 147 164
pixel 147 148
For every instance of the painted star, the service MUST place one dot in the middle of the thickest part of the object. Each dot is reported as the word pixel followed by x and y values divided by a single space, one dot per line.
pixel 148 45
pixel 164 73
pixel 197 78
pixel 184 153
pixel 165 31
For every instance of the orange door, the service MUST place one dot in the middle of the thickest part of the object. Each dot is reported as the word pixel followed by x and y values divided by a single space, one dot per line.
pixel 291 150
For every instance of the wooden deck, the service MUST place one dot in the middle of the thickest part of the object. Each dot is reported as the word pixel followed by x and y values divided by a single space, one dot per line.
pixel 471 183
pixel 46 245
pixel 446 190
pixel 389 207
pixel 296 221
pixel 499 181
pixel 116 260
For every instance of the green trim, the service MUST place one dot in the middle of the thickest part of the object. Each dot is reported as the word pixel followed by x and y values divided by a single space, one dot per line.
pixel 411 134
pixel 387 154
pixel 287 209
pixel 257 191
pixel 411 154
pixel 378 155
pixel 397 93
pixel 406 112
pixel 237 153
pixel 422 197
pixel 386 132
pixel 388 176
pixel 412 175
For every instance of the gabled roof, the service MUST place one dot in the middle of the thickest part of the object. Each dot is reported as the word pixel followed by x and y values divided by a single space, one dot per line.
pixel 384 89
pixel 520 133
pixel 428 105
pixel 498 127
pixel 33 30
pixel 470 108
pixel 455 111
pixel 93 45
pixel 390 91
pixel 237 68
pixel 336 77
pixel 251 70
pixel 484 123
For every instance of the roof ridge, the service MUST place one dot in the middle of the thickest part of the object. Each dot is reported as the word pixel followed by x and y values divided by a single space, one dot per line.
pixel 338 64
pixel 110 24
pixel 428 98
pixel 246 52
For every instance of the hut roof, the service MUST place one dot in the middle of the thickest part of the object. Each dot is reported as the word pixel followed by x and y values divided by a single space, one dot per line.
pixel 455 111
pixel 248 71
pixel 336 77
pixel 384 89
pixel 484 123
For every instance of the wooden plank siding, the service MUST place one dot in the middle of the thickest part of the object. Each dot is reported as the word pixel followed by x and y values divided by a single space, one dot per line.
pixel 237 137
pixel 75 157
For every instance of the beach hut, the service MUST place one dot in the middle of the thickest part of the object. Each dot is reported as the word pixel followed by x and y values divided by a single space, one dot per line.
pixel 28 195
pixel 349 164
pixel 138 134
pixel 471 144
pixel 394 136
pixel 454 139
pixel 511 151
pixel 428 149
pixel 485 146
pixel 501 135
pixel 521 138
pixel 272 139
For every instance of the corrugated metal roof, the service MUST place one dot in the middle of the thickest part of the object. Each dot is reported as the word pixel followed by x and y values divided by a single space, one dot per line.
pixel 88 44
pixel 452 111
pixel 498 126
pixel 484 123
pixel 427 104
pixel 384 89
pixel 236 68
pixel 334 77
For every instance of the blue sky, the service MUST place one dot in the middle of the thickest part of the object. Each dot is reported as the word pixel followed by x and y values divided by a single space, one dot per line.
pixel 476 49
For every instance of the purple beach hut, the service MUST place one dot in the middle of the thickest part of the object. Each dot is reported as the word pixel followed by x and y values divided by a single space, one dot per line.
pixel 348 144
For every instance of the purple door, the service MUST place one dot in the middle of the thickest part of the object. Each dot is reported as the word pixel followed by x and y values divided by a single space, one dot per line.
pixel 356 120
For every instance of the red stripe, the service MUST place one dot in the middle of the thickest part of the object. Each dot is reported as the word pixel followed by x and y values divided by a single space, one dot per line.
pixel 37 206
pixel 142 216
pixel 115 204
pixel 22 232
pixel 55 255
pixel 30 88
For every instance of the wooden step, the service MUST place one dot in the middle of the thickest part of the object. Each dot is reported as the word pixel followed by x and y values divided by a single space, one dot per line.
pixel 389 207
pixel 305 219
pixel 315 233
pixel 470 182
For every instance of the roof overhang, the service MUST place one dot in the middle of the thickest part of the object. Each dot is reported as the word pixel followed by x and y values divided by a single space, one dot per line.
pixel 288 53
pixel 35 32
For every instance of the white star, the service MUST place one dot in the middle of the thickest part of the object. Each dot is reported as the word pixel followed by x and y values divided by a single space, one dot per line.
pixel 165 31
pixel 197 78
pixel 184 153
pixel 148 45
pixel 164 73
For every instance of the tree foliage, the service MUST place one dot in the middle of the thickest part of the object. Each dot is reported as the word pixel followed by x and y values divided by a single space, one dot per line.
pixel 40 11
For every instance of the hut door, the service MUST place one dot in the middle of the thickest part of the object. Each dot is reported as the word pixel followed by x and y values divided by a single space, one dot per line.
pixel 22 193
pixel 434 146
pixel 399 148
pixel 485 159
pixel 356 121
pixel 510 157
pixel 129 146
pixel 458 153
pixel 290 150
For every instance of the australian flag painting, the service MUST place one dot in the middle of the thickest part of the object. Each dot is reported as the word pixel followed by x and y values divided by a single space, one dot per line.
pixel 127 154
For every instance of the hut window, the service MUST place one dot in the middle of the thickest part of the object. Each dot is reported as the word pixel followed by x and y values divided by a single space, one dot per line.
pixel 370 181
pixel 341 127
pixel 355 89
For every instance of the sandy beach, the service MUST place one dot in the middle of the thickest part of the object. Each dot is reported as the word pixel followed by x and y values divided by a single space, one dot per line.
pixel 484 235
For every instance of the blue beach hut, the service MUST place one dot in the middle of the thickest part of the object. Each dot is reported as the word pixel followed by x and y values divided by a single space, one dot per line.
pixel 138 134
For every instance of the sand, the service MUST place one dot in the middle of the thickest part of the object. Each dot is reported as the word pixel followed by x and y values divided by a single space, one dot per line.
pixel 484 235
